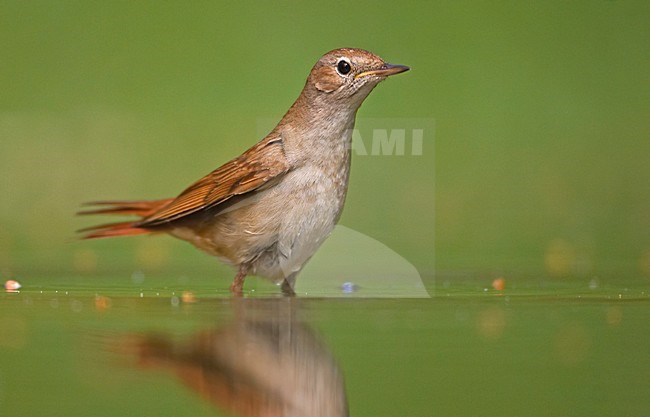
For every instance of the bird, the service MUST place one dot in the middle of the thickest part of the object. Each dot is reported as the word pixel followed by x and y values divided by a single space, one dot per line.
pixel 267 211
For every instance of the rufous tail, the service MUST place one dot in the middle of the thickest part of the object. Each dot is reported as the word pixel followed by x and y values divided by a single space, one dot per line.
pixel 129 228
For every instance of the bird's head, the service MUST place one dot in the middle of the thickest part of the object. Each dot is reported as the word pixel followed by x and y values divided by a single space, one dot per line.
pixel 349 74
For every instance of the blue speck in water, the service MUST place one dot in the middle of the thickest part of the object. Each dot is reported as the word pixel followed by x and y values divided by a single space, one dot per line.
pixel 349 287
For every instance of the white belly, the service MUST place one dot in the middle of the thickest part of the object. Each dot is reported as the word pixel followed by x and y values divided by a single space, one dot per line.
pixel 311 204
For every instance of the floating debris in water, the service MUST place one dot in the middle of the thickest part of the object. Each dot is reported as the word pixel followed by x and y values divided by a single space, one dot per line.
pixel 102 303
pixel 499 284
pixel 12 285
pixel 175 301
pixel 188 297
pixel 349 287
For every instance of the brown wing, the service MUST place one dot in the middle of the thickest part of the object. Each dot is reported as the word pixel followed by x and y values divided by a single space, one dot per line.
pixel 262 163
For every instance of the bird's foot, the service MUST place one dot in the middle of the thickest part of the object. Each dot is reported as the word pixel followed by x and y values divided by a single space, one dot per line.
pixel 287 289
pixel 237 286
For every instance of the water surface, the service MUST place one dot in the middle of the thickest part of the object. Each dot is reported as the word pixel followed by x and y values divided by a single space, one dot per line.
pixel 565 350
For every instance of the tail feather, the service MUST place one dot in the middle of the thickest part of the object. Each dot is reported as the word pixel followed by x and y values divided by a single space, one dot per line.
pixel 135 208
pixel 128 228
pixel 114 230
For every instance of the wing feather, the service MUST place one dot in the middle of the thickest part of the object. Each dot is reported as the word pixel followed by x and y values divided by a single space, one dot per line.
pixel 261 164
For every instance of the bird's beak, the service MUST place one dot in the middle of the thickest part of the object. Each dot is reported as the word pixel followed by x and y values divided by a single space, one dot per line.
pixel 384 71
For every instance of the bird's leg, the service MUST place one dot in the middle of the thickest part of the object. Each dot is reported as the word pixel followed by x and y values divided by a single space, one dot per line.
pixel 287 285
pixel 237 286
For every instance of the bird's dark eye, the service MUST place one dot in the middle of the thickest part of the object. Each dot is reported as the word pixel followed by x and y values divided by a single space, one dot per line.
pixel 343 67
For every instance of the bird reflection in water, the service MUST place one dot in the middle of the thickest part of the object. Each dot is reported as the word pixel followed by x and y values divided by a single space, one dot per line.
pixel 265 363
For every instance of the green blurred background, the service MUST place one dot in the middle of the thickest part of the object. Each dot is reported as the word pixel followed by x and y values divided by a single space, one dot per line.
pixel 538 165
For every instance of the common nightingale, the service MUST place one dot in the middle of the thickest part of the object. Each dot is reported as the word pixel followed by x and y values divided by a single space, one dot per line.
pixel 267 211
